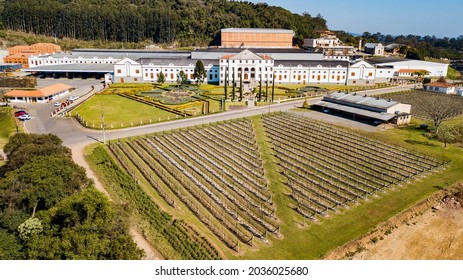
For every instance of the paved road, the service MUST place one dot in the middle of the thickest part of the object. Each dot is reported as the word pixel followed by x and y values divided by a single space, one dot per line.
pixel 73 134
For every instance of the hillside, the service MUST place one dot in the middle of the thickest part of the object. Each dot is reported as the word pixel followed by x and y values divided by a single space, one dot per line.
pixel 183 22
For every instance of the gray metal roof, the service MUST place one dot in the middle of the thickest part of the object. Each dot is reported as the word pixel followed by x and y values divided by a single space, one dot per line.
pixel 311 63
pixel 78 67
pixel 127 51
pixel 357 99
pixel 356 111
pixel 254 50
pixel 119 54
pixel 386 60
pixel 184 61
pixel 257 30
pixel 371 45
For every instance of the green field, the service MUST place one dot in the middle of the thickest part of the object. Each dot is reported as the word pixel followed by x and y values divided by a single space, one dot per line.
pixel 7 124
pixel 305 239
pixel 119 112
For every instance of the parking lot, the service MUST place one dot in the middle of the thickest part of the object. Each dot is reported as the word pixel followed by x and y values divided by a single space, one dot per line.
pixel 41 120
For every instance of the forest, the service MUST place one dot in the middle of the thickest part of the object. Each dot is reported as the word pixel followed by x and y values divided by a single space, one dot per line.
pixel 183 22
pixel 49 209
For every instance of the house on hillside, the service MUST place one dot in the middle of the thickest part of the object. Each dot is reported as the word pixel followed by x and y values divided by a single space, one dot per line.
pixel 440 87
pixel 376 49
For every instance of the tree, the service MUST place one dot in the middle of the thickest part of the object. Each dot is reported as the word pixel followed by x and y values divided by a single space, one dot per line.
pixel 440 109
pixel 183 78
pixel 305 105
pixel 161 78
pixel 234 86
pixel 446 134
pixel 442 80
pixel 83 226
pixel 199 73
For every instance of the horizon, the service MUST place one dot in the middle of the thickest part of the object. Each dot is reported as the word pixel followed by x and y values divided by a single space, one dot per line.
pixel 411 17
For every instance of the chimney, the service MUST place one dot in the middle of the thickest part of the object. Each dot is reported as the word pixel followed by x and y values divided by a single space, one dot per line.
pixel 360 44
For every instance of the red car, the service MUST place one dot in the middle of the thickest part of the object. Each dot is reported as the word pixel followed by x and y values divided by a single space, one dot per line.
pixel 20 113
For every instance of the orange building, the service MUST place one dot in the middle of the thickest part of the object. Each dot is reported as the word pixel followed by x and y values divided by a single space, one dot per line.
pixel 256 38
pixel 21 54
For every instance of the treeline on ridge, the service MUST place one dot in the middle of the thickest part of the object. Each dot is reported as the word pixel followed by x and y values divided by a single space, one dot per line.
pixel 187 22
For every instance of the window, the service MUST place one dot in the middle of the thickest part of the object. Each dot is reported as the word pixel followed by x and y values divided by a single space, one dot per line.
pixel 210 76
pixel 137 71
pixel 135 79
pixel 118 71
pixel 352 74
pixel 370 74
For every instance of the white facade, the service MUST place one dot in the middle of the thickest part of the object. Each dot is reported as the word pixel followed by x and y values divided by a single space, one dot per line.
pixel 399 109
pixel 249 65
pixel 131 71
pixel 44 60
pixel 361 73
pixel 440 88
pixel 434 69
pixel 376 49
pixel 253 68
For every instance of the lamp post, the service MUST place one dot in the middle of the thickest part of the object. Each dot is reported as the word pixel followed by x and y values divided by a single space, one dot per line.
pixel 102 124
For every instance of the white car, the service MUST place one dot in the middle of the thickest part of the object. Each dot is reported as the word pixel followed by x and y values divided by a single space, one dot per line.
pixel 24 117
pixel 57 104
pixel 72 98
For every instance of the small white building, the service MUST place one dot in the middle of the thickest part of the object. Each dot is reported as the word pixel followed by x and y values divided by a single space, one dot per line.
pixel 440 87
pixel 376 49
pixel 328 39
pixel 42 95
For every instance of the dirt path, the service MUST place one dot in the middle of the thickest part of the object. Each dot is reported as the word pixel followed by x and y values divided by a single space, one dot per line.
pixel 142 243
pixel 430 230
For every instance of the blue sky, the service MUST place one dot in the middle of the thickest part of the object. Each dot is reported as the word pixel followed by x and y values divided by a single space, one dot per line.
pixel 396 17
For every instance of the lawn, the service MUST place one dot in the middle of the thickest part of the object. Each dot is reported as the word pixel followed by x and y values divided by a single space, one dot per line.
pixel 7 125
pixel 119 112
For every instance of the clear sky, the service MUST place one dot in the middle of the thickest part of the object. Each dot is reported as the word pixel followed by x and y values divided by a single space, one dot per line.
pixel 442 18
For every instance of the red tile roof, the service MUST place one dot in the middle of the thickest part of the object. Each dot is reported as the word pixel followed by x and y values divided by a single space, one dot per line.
pixel 44 92
pixel 439 84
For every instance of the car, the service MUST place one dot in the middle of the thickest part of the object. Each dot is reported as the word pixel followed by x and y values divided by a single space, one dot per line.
pixel 20 113
pixel 72 98
pixel 57 104
pixel 326 110
pixel 24 117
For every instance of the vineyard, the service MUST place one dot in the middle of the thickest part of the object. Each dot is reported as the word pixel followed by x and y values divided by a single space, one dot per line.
pixel 215 171
pixel 425 104
pixel 172 233
pixel 328 167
